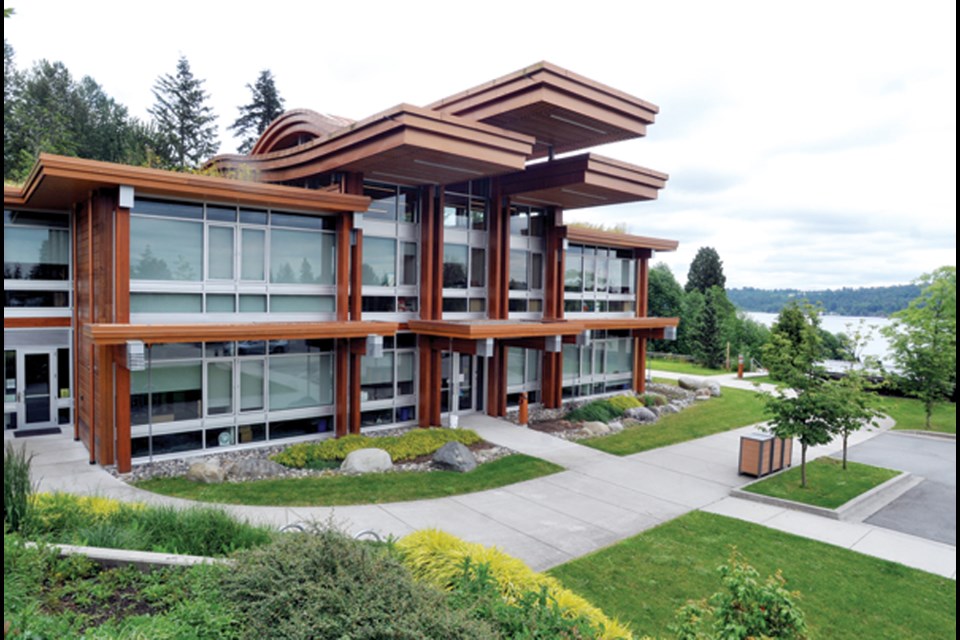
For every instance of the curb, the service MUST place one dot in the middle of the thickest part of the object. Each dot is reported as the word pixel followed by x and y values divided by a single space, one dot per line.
pixel 856 509
pixel 934 435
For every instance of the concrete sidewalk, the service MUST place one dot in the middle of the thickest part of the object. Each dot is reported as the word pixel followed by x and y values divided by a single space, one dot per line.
pixel 599 500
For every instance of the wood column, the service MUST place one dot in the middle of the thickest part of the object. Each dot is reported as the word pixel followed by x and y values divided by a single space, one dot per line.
pixel 121 315
pixel 435 390
pixel 642 257
pixel 427 386
pixel 354 390
pixel 341 383
pixel 429 296
pixel 344 227
pixel 353 184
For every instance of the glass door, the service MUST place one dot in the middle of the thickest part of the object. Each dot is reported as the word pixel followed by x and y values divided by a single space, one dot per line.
pixel 36 382
pixel 461 383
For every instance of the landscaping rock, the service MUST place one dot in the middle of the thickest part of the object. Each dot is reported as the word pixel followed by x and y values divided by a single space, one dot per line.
pixel 455 456
pixel 691 384
pixel 703 394
pixel 366 461
pixel 596 428
pixel 670 408
pixel 254 469
pixel 615 426
pixel 714 389
pixel 207 471
pixel 641 414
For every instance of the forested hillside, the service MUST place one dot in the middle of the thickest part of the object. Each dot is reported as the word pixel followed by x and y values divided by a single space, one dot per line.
pixel 866 301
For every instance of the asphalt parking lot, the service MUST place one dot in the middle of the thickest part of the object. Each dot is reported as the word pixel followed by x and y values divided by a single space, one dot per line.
pixel 929 510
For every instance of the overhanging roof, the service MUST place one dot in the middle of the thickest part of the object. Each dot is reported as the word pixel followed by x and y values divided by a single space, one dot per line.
pixel 113 334
pixel 584 235
pixel 559 108
pixel 57 182
pixel 481 329
pixel 405 145
pixel 629 323
pixel 585 180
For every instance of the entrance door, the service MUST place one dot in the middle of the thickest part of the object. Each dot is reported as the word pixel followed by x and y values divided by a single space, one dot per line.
pixel 461 383
pixel 36 382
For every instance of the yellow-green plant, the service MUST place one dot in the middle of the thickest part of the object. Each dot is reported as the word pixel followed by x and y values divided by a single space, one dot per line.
pixel 438 558
pixel 622 403
pixel 413 444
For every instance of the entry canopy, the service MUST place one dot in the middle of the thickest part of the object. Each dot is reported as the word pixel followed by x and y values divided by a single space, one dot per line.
pixel 480 329
pixel 113 334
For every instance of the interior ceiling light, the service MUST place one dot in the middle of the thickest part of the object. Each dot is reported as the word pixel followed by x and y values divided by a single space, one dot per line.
pixel 584 194
pixel 448 167
pixel 578 124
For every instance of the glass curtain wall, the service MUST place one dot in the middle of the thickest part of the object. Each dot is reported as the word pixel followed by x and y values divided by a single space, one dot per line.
pixel 605 366
pixel 526 262
pixel 36 263
pixel 465 213
pixel 388 383
pixel 599 280
pixel 391 251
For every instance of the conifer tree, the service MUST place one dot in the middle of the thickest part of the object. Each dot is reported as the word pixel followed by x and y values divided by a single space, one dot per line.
pixel 265 106
pixel 706 271
pixel 185 123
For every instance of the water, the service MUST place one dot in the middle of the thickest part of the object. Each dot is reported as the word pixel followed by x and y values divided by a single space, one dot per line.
pixel 876 346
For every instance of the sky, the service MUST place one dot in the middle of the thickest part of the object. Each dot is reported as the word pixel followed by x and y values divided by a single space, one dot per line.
pixel 812 144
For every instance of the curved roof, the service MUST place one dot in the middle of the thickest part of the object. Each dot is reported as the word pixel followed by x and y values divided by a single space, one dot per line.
pixel 296 127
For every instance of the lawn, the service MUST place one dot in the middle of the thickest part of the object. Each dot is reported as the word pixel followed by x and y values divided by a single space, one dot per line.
pixel 735 408
pixel 909 414
pixel 828 485
pixel 644 579
pixel 681 366
pixel 364 489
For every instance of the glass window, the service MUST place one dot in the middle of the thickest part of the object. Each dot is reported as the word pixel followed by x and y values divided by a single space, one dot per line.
pixel 518 270
pixel 515 361
pixel 10 376
pixel 219 388
pixel 63 373
pixel 536 271
pixel 221 214
pixel 376 377
pixel 573 280
pixel 186 210
pixel 302 304
pixel 165 249
pixel 380 261
pixel 253 216
pixel 176 393
pixel 221 303
pixel 252 254
pixel 455 211
pixel 297 221
pixel 295 257
pixel 383 201
pixel 455 266
pixel 220 241
pixel 44 299
pixel 408 264
pixel 253 304
pixel 478 267
pixel 571 361
pixel 405 373
pixel 166 303
pixel 478 214
pixel 251 385
pixel 588 272
pixel 408 206
pixel 300 381
pixel 36 253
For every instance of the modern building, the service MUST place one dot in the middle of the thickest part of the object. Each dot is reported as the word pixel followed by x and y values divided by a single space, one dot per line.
pixel 344 276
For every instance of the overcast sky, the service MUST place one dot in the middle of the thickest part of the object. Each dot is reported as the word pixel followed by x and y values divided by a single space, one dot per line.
pixel 813 144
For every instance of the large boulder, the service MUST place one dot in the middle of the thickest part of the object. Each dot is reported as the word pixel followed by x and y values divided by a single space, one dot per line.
pixel 207 471
pixel 455 456
pixel 641 414
pixel 690 383
pixel 714 388
pixel 596 428
pixel 366 461
pixel 669 408
pixel 615 427
pixel 254 469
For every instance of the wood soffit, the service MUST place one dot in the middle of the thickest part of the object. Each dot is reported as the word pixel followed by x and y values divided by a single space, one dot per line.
pixel 115 334
pixel 57 182
pixel 629 323
pixel 482 329
pixel 582 235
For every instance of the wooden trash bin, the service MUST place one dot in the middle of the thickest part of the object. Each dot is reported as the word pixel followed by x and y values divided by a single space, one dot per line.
pixel 763 453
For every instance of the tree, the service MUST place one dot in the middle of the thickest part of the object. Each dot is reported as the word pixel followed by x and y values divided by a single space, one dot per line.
pixel 745 336
pixel 706 271
pixel 11 89
pixel 794 343
pixel 186 132
pixel 665 297
pixel 265 106
pixel 707 336
pixel 859 405
pixel 923 340
pixel 690 312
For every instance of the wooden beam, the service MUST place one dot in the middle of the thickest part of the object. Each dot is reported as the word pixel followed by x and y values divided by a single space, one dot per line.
pixel 121 261
pixel 356 276
pixel 341 384
pixel 35 323
pixel 104 417
pixel 427 253
pixel 354 390
pixel 344 227
pixel 435 390
pixel 124 463
pixel 427 385
pixel 218 332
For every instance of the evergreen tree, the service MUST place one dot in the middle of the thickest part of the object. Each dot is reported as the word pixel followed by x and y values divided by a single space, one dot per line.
pixel 794 344
pixel 265 106
pixel 185 123
pixel 690 312
pixel 11 88
pixel 706 271
pixel 708 345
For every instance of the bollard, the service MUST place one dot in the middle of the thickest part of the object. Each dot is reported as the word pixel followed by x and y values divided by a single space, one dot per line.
pixel 740 367
pixel 524 410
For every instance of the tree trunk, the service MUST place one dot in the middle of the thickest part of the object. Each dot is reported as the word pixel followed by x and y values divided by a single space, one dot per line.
pixel 845 436
pixel 929 411
pixel 803 464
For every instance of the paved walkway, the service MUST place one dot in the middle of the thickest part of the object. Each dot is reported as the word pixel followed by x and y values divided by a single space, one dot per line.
pixel 599 500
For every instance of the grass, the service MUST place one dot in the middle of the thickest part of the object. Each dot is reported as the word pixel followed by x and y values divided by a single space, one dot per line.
pixel 828 485
pixel 909 414
pixel 644 579
pixel 735 408
pixel 364 489
pixel 681 366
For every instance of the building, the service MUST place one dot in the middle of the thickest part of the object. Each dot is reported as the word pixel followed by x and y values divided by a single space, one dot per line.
pixel 342 277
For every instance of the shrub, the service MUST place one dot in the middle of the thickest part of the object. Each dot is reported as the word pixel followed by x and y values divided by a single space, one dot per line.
pixel 654 399
pixel 98 521
pixel 330 586
pixel 439 559
pixel 17 486
pixel 596 411
pixel 746 608
pixel 533 616
pixel 622 403
pixel 413 444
